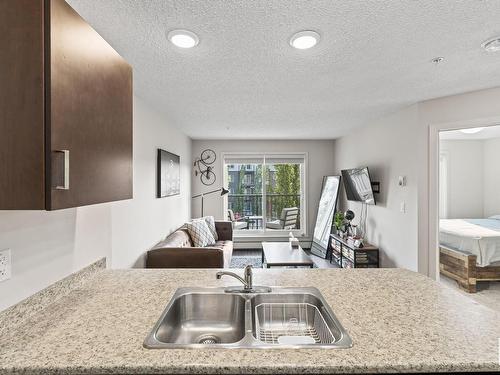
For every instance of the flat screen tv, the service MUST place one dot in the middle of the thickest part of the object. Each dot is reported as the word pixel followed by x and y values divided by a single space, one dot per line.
pixel 358 185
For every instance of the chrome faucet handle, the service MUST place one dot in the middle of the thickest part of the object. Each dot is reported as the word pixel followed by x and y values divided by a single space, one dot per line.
pixel 246 280
pixel 248 275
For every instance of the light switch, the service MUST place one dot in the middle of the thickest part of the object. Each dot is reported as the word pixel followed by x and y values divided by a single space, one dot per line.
pixel 402 207
pixel 402 181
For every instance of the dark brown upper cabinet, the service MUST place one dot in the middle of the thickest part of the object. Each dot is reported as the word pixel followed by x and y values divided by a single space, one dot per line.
pixel 65 110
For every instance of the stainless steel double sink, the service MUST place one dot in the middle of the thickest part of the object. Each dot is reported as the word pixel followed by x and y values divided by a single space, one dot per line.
pixel 212 318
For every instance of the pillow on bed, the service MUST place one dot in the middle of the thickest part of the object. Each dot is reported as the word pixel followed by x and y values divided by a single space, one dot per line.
pixel 497 217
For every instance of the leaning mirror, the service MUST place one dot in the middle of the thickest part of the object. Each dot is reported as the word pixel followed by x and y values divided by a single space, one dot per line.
pixel 326 212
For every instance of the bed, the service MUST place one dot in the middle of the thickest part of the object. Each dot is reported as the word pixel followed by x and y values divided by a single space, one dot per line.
pixel 470 250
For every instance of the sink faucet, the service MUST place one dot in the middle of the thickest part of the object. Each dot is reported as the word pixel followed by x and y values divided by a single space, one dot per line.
pixel 247 282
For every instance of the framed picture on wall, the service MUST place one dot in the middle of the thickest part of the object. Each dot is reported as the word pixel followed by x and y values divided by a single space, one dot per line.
pixel 168 178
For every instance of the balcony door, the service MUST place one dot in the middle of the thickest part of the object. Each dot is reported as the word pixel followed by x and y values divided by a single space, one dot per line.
pixel 266 193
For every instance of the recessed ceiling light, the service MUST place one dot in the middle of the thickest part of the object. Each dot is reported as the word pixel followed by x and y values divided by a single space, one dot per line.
pixel 304 39
pixel 183 38
pixel 471 130
pixel 492 45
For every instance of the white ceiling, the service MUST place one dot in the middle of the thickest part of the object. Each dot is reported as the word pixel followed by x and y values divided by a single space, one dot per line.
pixel 487 133
pixel 244 80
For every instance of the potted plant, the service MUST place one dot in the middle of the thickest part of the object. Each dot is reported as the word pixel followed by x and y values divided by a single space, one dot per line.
pixel 338 222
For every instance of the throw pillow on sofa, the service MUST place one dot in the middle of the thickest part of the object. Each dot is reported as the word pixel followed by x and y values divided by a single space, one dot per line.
pixel 200 233
pixel 210 220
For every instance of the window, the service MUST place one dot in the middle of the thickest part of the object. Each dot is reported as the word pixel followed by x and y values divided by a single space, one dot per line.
pixel 266 191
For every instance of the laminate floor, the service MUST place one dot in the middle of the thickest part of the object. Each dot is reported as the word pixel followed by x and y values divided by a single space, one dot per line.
pixel 488 292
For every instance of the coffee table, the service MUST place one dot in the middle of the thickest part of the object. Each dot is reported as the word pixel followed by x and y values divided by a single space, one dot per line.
pixel 282 254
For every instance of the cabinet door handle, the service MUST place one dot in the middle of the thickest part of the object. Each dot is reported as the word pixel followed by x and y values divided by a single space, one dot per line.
pixel 65 171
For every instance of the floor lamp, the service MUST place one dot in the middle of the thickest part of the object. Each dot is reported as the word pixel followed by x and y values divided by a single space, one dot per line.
pixel 222 190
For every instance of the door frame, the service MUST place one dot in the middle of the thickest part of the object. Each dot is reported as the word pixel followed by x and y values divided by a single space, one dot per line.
pixel 433 182
pixel 446 156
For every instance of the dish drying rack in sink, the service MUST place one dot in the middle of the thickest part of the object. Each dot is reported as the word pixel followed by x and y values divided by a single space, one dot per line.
pixel 291 323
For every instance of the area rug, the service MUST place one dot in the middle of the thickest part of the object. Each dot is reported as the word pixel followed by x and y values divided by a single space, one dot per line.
pixel 240 261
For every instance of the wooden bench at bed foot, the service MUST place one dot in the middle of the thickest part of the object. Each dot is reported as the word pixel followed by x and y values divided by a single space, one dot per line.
pixel 464 270
pixel 460 267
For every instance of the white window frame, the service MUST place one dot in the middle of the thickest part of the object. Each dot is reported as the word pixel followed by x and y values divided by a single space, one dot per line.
pixel 263 233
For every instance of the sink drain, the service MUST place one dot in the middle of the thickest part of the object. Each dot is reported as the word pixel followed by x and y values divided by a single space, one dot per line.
pixel 208 339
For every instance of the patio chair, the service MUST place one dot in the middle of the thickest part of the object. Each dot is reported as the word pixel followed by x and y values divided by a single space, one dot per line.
pixel 237 223
pixel 287 220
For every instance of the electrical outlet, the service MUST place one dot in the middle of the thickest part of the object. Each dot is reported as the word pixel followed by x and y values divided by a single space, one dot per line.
pixel 5 265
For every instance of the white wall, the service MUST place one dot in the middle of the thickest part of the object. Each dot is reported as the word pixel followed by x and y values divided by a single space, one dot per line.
pixel 320 156
pixel 138 224
pixel 465 183
pixel 491 177
pixel 387 147
pixel 477 108
pixel 412 128
pixel 47 246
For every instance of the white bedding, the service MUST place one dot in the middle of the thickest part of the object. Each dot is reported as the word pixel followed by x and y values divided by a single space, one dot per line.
pixel 480 237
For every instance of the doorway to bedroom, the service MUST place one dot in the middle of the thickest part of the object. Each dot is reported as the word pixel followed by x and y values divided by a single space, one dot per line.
pixel 469 212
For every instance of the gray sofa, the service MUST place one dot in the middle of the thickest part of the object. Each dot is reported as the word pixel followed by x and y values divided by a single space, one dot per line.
pixel 177 250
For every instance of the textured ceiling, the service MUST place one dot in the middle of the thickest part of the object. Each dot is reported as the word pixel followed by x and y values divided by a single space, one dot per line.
pixel 244 80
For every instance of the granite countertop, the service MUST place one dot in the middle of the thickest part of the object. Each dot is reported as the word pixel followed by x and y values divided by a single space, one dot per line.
pixel 399 321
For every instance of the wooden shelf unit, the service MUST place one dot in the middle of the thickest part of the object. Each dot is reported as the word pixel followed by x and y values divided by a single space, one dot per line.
pixel 346 255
